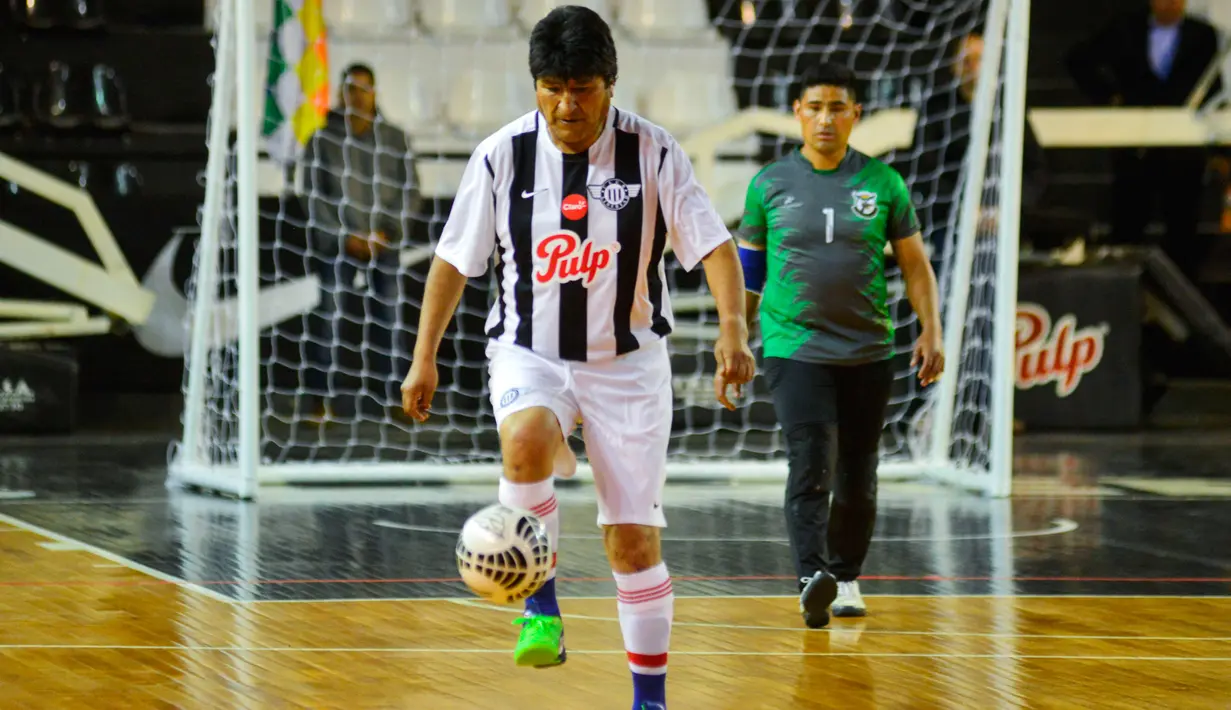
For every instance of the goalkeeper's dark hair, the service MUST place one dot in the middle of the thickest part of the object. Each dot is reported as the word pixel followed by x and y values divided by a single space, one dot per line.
pixel 573 43
pixel 828 74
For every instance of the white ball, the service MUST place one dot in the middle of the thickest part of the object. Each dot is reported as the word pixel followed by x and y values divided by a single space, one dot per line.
pixel 504 554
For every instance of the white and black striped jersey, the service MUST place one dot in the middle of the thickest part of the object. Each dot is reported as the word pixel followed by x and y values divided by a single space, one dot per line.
pixel 579 239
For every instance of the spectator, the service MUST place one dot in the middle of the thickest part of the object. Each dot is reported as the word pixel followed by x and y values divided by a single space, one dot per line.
pixel 361 192
pixel 945 142
pixel 1152 58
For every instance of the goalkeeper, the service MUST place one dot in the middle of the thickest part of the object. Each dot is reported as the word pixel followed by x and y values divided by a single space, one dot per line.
pixel 812 240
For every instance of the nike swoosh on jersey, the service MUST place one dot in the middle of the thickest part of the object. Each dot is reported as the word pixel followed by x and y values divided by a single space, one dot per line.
pixel 527 194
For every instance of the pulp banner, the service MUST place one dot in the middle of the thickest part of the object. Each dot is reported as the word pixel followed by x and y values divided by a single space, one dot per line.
pixel 1077 339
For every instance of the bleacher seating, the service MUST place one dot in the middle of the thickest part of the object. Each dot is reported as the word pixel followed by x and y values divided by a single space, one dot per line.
pixel 367 18
pixel 451 71
pixel 467 18
pixel 656 20
pixel 531 11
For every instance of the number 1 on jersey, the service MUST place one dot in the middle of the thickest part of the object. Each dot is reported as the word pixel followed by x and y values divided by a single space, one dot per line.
pixel 828 225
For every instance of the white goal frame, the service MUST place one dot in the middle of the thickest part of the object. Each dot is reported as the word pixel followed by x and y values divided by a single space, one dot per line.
pixel 1006 36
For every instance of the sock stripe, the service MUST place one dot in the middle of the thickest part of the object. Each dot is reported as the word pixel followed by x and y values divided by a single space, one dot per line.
pixel 545 508
pixel 650 662
pixel 641 596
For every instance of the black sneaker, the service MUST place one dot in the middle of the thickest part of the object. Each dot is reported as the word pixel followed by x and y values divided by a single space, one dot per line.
pixel 817 594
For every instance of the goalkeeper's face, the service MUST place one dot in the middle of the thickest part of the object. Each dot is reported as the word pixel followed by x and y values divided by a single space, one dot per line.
pixel 576 110
pixel 827 115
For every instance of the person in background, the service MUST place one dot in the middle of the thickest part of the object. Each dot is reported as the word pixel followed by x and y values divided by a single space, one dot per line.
pixel 1153 57
pixel 946 140
pixel 361 192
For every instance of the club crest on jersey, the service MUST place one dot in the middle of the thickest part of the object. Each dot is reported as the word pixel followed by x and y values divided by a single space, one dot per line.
pixel 864 204
pixel 614 193
pixel 562 258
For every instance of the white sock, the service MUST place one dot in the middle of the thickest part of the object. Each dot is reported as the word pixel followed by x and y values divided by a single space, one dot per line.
pixel 647 606
pixel 540 499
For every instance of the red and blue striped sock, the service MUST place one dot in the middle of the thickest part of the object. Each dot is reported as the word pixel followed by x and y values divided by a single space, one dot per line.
pixel 647 606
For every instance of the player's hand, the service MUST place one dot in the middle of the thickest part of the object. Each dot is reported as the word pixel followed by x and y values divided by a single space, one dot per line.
pixel 419 387
pixel 736 365
pixel 929 357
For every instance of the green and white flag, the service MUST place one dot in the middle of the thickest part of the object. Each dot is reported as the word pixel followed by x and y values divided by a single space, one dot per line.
pixel 297 88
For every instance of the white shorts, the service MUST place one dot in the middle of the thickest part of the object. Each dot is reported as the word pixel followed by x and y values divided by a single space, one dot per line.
pixel 626 406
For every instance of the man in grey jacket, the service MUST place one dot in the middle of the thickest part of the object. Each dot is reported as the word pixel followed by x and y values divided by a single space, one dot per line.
pixel 361 195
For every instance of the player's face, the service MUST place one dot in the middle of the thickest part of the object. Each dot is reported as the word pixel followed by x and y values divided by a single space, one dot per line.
pixel 576 110
pixel 827 114
pixel 1168 12
pixel 359 95
pixel 970 58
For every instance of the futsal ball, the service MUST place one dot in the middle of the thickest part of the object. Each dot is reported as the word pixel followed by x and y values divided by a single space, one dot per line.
pixel 504 554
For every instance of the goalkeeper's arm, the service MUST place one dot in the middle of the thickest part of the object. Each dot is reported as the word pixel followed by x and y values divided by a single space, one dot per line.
pixel 753 260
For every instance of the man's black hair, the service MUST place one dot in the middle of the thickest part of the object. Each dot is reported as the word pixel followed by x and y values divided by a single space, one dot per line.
pixel 572 43
pixel 357 68
pixel 828 74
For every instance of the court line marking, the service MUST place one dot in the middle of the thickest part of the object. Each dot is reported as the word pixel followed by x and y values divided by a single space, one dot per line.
pixel 590 652
pixel 878 632
pixel 1059 526
pixel 117 559
pixel 568 597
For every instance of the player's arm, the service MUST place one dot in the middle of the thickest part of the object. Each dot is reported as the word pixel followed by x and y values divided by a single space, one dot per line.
pixel 751 240
pixel 725 277
pixel 924 296
pixel 441 294
pixel 904 234
pixel 465 247
pixel 754 262
pixel 921 288
pixel 698 235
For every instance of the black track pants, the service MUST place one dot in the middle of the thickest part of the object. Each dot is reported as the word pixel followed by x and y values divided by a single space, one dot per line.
pixel 831 418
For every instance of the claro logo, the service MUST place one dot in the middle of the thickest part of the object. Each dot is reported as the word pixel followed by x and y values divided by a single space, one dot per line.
pixel 1062 353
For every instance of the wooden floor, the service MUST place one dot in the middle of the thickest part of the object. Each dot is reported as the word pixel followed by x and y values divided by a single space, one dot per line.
pixel 78 630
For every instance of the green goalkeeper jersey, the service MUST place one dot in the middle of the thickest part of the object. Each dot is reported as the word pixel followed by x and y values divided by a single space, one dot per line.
pixel 824 233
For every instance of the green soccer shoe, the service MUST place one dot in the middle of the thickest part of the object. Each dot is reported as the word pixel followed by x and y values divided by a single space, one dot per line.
pixel 541 643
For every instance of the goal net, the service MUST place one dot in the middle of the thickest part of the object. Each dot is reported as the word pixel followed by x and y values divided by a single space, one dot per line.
pixel 301 328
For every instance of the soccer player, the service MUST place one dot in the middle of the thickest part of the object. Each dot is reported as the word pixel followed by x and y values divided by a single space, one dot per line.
pixel 812 241
pixel 578 200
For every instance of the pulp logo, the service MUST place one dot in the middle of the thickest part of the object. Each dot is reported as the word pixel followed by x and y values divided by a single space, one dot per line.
pixel 1063 354
pixel 568 260
pixel 574 207
pixel 15 395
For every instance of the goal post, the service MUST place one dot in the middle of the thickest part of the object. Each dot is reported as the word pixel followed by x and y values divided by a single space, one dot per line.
pixel 249 388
